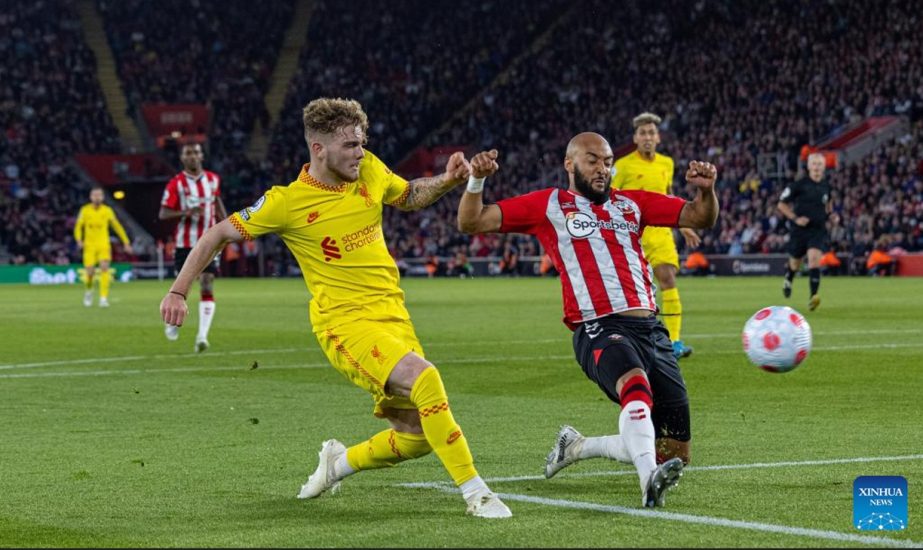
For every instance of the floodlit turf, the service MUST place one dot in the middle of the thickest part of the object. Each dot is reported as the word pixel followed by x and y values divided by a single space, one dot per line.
pixel 113 436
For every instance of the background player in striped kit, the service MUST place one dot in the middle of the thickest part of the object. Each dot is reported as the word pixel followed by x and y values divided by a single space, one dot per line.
pixel 593 235
pixel 194 198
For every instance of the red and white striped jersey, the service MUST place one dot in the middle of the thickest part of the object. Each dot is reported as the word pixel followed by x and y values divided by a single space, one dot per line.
pixel 595 248
pixel 188 191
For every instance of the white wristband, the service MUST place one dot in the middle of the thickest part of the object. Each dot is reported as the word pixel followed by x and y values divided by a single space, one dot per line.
pixel 475 185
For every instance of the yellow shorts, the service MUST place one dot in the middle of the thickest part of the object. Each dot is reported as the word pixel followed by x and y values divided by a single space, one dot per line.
pixel 365 352
pixel 95 253
pixel 659 246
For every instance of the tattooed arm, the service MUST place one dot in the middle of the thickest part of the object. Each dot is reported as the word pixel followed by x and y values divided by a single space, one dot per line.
pixel 425 191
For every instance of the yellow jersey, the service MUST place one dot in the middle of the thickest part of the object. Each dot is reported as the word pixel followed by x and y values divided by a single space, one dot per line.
pixel 634 172
pixel 93 223
pixel 336 237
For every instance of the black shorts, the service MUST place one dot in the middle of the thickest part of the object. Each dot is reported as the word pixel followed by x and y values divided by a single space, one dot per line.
pixel 179 258
pixel 622 343
pixel 803 238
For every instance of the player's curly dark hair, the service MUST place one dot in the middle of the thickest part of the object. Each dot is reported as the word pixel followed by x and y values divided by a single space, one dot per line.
pixel 326 115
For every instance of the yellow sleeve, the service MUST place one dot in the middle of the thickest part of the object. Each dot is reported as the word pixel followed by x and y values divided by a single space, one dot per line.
pixel 396 188
pixel 269 214
pixel 78 227
pixel 618 177
pixel 117 227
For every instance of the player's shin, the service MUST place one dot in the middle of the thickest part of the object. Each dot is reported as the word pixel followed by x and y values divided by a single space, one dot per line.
pixel 206 314
pixel 384 449
pixel 814 275
pixel 672 313
pixel 608 446
pixel 636 426
pixel 442 432
pixel 105 277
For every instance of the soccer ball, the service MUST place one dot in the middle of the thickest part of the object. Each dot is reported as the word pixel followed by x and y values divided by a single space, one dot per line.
pixel 777 339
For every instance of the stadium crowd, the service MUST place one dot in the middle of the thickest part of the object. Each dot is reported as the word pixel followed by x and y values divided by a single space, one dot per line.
pixel 412 65
pixel 783 74
pixel 51 106
pixel 218 53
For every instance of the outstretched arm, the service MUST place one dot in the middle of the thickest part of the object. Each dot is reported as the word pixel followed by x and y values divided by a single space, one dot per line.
pixel 173 308
pixel 701 212
pixel 473 216
pixel 426 191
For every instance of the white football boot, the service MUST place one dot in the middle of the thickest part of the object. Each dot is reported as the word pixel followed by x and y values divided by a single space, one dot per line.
pixel 664 478
pixel 324 477
pixel 566 451
pixel 488 505
pixel 171 332
pixel 103 302
pixel 88 298
pixel 201 344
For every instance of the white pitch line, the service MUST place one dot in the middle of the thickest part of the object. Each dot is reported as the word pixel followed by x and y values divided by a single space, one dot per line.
pixel 116 372
pixel 153 371
pixel 715 521
pixel 126 358
pixel 883 345
pixel 143 357
pixel 703 520
pixel 716 467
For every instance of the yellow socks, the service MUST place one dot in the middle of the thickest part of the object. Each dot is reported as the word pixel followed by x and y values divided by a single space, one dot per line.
pixel 672 312
pixel 104 279
pixel 443 434
pixel 88 281
pixel 386 449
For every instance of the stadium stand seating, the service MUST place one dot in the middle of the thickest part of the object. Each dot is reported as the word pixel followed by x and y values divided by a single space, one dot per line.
pixel 734 81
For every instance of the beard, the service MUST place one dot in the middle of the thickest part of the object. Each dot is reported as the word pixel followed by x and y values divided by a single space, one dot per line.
pixel 343 174
pixel 586 189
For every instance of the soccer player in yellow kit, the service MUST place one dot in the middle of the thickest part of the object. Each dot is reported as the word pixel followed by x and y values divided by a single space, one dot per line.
pixel 648 170
pixel 330 218
pixel 92 235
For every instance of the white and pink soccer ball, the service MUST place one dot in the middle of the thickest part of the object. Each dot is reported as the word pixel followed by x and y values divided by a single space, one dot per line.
pixel 777 339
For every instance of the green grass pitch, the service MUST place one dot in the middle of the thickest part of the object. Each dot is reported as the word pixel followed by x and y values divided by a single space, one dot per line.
pixel 113 436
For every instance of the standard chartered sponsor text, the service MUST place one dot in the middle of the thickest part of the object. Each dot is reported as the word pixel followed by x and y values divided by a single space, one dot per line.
pixel 362 237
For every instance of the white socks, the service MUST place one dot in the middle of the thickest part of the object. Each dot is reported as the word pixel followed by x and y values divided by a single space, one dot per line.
pixel 206 313
pixel 473 488
pixel 341 467
pixel 607 446
pixel 637 433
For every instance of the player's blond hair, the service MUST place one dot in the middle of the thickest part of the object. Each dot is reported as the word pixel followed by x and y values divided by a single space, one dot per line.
pixel 646 118
pixel 326 115
pixel 817 156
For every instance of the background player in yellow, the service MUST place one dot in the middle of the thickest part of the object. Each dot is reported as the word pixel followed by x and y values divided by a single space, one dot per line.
pixel 330 218
pixel 648 170
pixel 92 235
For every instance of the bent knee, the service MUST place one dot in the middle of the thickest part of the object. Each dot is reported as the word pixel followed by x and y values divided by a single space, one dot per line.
pixel 412 445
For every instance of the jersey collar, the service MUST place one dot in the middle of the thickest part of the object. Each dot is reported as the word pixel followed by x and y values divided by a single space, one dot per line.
pixel 306 178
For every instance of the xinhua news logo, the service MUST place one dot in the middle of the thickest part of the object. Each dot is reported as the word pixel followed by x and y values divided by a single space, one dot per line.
pixel 880 503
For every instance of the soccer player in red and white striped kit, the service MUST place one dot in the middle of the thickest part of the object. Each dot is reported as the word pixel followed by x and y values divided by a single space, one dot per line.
pixel 593 235
pixel 194 198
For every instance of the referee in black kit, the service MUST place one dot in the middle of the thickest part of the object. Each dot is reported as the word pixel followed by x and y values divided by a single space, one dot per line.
pixel 806 203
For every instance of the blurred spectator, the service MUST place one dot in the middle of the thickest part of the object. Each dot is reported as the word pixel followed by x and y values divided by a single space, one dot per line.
pixel 460 266
pixel 830 264
pixel 879 262
pixel 696 264
pixel 546 267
